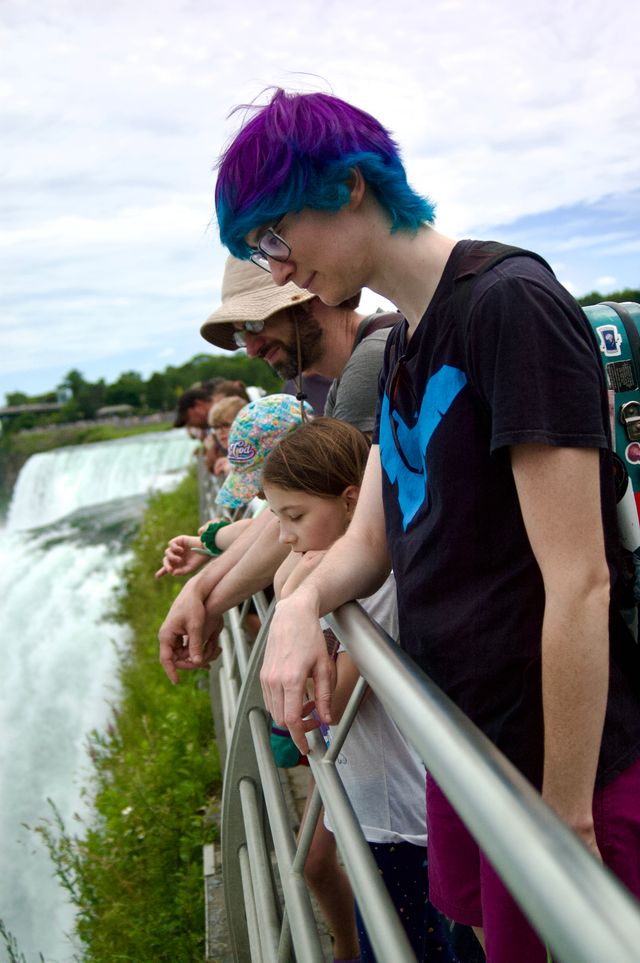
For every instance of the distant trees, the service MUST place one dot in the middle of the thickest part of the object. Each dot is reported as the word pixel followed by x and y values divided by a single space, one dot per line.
pixel 86 398
pixel 159 392
pixel 17 398
pixel 129 389
pixel 594 297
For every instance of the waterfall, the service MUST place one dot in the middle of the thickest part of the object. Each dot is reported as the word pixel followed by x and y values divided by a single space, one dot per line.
pixel 55 483
pixel 62 555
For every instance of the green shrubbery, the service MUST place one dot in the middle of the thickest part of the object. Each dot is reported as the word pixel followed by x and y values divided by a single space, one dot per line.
pixel 594 297
pixel 135 872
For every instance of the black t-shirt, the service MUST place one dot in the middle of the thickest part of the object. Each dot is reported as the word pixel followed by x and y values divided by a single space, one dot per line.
pixel 520 365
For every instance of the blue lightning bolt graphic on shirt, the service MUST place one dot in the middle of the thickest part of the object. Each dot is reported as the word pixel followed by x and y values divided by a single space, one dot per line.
pixel 442 389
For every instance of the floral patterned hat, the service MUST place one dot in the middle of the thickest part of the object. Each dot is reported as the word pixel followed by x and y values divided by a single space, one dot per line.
pixel 256 430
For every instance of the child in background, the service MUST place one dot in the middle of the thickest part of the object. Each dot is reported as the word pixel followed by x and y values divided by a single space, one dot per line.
pixel 312 482
pixel 220 418
pixel 255 430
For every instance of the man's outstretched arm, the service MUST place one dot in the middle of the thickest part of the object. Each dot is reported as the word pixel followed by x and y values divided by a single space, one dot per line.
pixel 354 567
pixel 566 535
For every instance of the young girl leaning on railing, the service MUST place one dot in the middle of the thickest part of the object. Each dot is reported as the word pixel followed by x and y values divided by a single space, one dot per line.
pixel 312 481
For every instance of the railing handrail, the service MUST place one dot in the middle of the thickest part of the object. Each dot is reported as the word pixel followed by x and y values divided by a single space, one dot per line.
pixel 582 911
pixel 579 908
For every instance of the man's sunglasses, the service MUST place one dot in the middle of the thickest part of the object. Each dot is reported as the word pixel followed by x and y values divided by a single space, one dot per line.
pixel 253 327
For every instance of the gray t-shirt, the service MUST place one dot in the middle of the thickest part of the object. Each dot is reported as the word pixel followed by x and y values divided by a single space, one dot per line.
pixel 353 397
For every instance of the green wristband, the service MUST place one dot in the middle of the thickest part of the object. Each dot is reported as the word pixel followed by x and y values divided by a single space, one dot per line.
pixel 208 537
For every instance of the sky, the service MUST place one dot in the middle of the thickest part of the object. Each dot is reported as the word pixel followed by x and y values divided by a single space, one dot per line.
pixel 519 119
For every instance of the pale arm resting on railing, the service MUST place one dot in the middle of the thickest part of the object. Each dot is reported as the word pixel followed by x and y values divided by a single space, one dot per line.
pixel 354 567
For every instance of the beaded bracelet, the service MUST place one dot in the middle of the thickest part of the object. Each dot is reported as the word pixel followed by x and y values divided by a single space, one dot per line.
pixel 208 537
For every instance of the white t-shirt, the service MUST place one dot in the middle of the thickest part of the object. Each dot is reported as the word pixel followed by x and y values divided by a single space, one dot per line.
pixel 383 776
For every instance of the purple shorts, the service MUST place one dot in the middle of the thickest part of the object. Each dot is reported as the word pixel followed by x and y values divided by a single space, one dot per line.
pixel 464 886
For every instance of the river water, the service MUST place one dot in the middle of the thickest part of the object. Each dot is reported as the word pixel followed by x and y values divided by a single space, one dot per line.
pixel 62 554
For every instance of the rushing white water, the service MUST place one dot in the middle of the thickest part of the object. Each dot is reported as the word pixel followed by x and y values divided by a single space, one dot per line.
pixel 59 652
pixel 55 483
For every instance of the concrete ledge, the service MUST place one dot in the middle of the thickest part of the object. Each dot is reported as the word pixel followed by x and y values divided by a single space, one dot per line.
pixel 217 945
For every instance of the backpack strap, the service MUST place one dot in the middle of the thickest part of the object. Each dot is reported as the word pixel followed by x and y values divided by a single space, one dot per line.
pixel 630 330
pixel 377 322
pixel 481 259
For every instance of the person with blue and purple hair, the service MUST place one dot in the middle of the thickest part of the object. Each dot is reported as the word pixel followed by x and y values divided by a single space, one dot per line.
pixel 300 152
pixel 492 417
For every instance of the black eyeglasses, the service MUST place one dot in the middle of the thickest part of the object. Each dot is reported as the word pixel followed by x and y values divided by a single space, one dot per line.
pixel 271 245
pixel 394 382
pixel 253 327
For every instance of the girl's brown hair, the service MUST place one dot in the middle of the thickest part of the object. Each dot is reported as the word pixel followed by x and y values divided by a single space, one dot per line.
pixel 321 457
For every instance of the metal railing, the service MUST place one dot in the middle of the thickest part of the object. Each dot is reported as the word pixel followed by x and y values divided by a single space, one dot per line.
pixel 578 907
pixel 227 673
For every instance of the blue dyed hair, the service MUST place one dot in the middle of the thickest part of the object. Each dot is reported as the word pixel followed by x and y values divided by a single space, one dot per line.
pixel 298 151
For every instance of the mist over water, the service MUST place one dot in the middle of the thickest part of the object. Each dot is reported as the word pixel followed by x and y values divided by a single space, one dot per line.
pixel 62 554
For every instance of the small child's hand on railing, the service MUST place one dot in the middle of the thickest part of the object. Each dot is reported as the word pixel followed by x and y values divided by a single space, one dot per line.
pixel 183 555
pixel 222 466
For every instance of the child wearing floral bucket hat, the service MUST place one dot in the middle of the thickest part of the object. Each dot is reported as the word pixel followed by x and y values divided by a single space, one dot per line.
pixel 255 432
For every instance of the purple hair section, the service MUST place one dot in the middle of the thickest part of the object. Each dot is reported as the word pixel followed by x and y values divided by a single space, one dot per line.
pixel 316 127
pixel 282 157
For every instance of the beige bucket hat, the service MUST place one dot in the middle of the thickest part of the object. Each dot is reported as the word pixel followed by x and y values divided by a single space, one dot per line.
pixel 248 294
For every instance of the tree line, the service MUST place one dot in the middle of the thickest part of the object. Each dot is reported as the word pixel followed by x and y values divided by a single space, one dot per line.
pixel 82 399
pixel 161 390
pixel 594 297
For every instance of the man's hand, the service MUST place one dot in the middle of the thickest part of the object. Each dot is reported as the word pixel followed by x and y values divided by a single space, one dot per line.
pixel 180 558
pixel 296 651
pixel 189 634
pixel 582 825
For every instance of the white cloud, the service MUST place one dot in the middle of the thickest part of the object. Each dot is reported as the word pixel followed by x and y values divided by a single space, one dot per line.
pixel 112 117
pixel 130 225
pixel 570 286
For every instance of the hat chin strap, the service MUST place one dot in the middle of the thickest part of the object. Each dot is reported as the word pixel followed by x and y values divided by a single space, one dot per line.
pixel 301 395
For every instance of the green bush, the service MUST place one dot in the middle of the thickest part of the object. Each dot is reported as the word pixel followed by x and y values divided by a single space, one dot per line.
pixel 135 871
